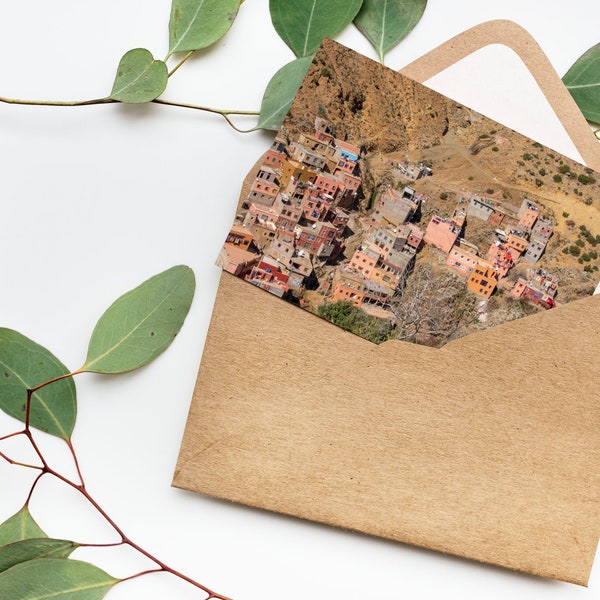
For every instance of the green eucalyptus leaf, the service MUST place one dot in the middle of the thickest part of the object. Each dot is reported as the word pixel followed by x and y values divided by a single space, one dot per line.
pixel 25 365
pixel 386 22
pixel 31 549
pixel 196 24
pixel 280 93
pixel 142 323
pixel 140 78
pixel 302 24
pixel 20 526
pixel 56 578
pixel 583 81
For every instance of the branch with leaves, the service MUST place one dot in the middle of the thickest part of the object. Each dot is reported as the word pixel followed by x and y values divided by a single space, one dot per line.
pixel 302 24
pixel 38 390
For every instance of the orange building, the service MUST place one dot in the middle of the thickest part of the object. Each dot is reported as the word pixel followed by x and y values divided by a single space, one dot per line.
pixel 293 173
pixel 239 236
pixel 482 281
pixel 364 260
pixel 349 288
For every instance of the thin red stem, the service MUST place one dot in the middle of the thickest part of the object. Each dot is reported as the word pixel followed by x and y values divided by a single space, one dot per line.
pixel 111 545
pixel 60 378
pixel 36 448
pixel 142 573
pixel 16 463
pixel 34 486
pixel 10 435
pixel 28 410
pixel 76 461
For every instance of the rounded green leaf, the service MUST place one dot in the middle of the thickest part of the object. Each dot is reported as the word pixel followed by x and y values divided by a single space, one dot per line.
pixel 25 365
pixel 20 526
pixel 196 24
pixel 142 323
pixel 386 22
pixel 280 93
pixel 31 549
pixel 583 81
pixel 140 78
pixel 56 578
pixel 302 24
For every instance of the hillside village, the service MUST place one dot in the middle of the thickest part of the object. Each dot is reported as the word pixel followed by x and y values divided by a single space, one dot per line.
pixel 306 233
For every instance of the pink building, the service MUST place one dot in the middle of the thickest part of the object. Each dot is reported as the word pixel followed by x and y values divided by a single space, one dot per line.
pixel 235 260
pixel 351 183
pixel 501 257
pixel 315 207
pixel 328 184
pixel 264 216
pixel 461 260
pixel 264 188
pixel 517 243
pixel 409 235
pixel 289 213
pixel 274 159
pixel 528 290
pixel 347 150
pixel 345 165
pixel 441 233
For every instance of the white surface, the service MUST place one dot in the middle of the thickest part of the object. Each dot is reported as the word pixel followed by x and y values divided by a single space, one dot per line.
pixel 96 199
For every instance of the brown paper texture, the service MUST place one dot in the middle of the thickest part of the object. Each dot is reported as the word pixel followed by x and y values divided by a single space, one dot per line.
pixel 487 448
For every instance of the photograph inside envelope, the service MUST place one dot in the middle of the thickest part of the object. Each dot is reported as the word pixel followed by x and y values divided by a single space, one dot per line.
pixel 398 213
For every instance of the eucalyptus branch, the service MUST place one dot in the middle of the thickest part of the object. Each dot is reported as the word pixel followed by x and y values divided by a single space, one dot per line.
pixel 81 488
pixel 129 334
pixel 218 111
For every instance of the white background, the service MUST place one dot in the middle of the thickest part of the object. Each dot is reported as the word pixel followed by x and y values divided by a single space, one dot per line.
pixel 96 199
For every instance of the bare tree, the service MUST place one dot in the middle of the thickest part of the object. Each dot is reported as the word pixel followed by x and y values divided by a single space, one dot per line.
pixel 431 307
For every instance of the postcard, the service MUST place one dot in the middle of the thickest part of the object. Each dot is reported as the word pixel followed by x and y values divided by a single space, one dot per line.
pixel 398 213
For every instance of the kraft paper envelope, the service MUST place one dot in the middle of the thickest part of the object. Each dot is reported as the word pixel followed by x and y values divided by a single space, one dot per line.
pixel 487 448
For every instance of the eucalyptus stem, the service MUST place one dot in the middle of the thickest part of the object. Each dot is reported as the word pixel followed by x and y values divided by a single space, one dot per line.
pixel 16 463
pixel 217 111
pixel 224 113
pixel 34 486
pixel 174 69
pixel 56 102
pixel 32 391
